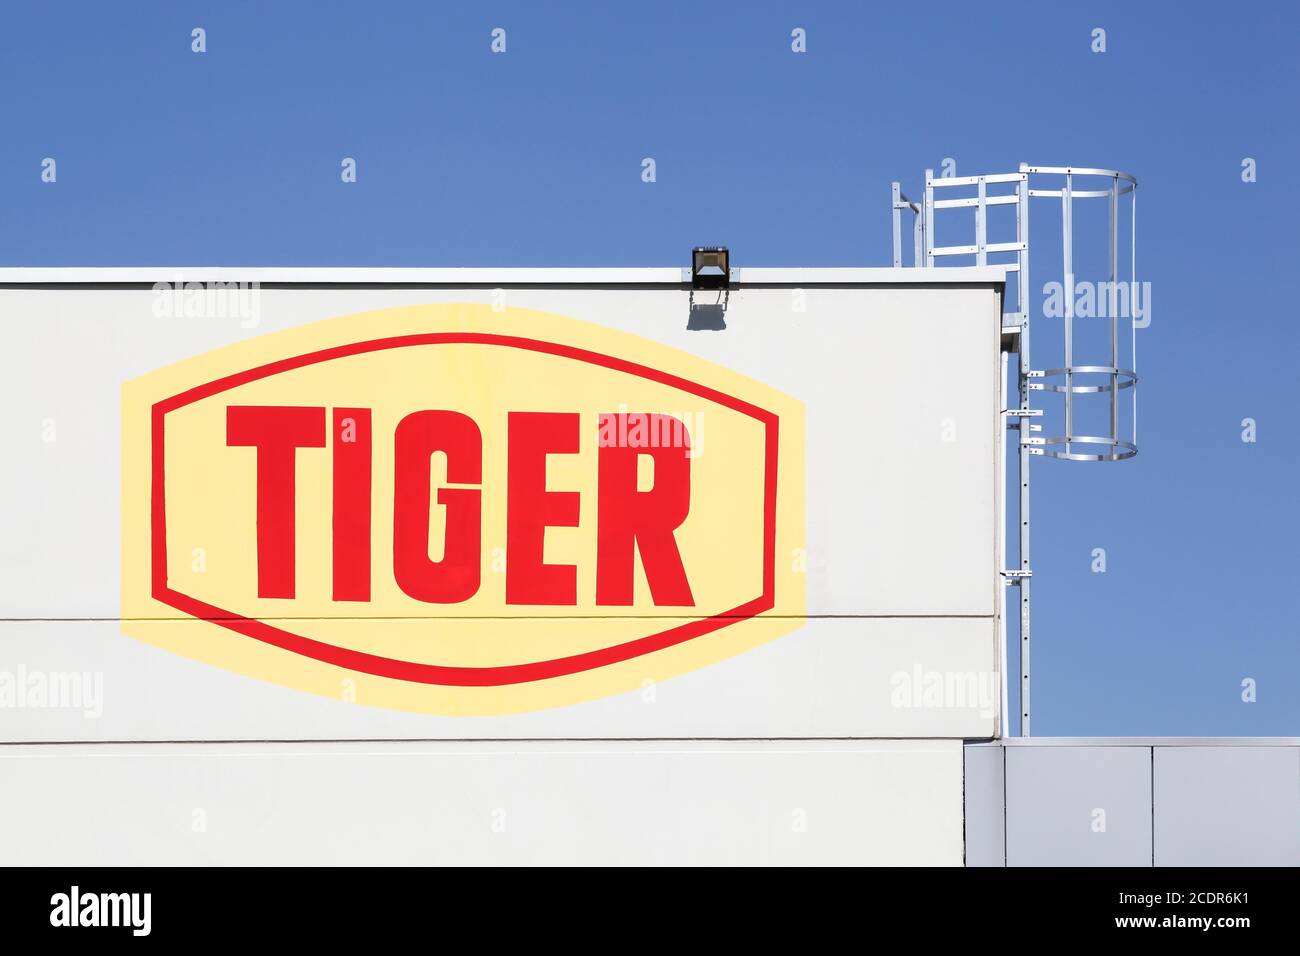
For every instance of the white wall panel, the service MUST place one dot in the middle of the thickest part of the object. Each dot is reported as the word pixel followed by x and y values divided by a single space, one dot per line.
pixel 738 803
pixel 900 520
pixel 835 677
pixel 899 384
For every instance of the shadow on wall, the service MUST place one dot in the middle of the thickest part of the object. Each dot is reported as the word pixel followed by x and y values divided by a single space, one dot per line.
pixel 707 316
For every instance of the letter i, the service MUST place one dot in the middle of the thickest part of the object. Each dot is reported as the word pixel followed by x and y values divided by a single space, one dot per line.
pixel 352 500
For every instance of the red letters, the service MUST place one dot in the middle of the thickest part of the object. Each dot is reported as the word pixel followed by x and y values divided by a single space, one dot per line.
pixel 628 519
pixel 276 431
pixel 455 577
pixel 352 454
pixel 531 509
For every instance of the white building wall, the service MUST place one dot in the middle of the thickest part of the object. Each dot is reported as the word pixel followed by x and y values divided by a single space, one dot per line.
pixel 899 376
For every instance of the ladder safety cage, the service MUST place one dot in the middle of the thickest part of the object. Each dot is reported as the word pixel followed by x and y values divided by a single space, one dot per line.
pixel 1070 378
pixel 1106 377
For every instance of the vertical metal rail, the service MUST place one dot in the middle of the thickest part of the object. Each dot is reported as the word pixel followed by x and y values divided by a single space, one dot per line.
pixel 918 240
pixel 1004 653
pixel 898 225
pixel 1022 306
pixel 928 218
pixel 1113 294
pixel 1067 236
pixel 899 203
pixel 1132 291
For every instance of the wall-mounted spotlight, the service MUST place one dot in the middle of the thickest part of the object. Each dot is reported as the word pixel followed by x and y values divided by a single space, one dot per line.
pixel 710 267
pixel 710 270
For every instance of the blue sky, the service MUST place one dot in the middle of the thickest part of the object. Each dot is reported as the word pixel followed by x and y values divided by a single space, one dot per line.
pixel 534 158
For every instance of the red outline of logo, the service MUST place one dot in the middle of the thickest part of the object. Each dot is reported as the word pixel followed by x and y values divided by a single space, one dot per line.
pixel 436 673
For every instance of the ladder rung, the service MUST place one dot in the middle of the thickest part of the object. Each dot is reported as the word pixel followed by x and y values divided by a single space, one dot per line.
pixel 968 201
pixel 974 180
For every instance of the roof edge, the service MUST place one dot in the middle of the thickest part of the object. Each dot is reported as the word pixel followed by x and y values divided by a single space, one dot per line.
pixel 328 275
pixel 1139 742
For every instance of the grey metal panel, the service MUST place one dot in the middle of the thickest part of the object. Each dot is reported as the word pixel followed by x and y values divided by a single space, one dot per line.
pixel 1151 742
pixel 1078 806
pixel 985 805
pixel 1227 806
